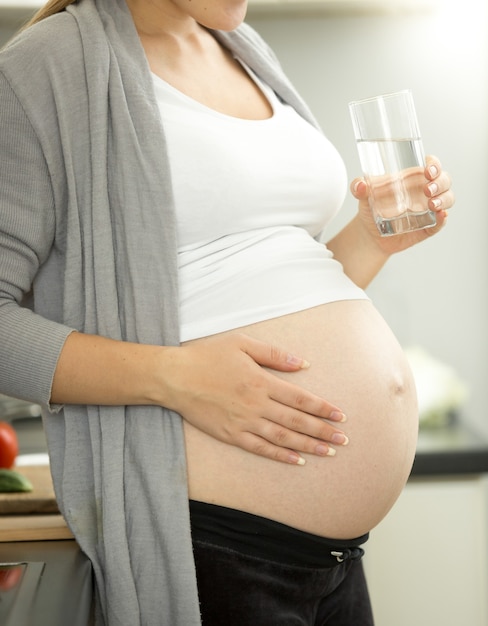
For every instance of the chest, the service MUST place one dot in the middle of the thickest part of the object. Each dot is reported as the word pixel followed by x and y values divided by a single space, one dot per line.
pixel 213 78
pixel 231 175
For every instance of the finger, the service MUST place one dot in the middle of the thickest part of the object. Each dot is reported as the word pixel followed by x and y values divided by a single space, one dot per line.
pixel 296 397
pixel 271 356
pixel 300 432
pixel 442 202
pixel 359 188
pixel 265 448
pixel 261 447
pixel 433 167
pixel 274 439
pixel 440 185
pixel 280 437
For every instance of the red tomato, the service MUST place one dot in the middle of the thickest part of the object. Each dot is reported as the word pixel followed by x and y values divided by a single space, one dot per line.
pixel 10 577
pixel 9 445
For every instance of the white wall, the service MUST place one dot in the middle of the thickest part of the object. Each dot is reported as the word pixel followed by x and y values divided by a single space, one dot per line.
pixel 436 294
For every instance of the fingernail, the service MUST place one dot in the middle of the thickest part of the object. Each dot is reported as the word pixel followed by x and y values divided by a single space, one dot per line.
pixel 357 185
pixel 340 439
pixel 291 359
pixel 322 449
pixel 338 416
pixel 436 202
pixel 433 188
pixel 296 459
pixel 433 171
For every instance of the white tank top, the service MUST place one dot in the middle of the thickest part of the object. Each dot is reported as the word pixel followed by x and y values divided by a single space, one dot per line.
pixel 251 198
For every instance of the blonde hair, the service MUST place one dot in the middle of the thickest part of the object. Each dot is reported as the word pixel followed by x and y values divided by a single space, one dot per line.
pixel 50 8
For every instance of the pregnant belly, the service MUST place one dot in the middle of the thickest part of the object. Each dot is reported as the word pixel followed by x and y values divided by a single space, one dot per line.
pixel 357 364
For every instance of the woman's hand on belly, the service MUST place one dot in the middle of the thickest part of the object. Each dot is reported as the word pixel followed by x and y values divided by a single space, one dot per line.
pixel 221 386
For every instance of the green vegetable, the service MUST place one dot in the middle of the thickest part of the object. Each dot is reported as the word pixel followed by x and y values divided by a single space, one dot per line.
pixel 11 482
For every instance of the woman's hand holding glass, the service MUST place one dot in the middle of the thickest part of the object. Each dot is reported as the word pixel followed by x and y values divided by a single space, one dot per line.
pixel 436 186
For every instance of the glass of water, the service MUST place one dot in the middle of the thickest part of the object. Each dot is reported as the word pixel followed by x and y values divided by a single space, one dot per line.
pixel 393 161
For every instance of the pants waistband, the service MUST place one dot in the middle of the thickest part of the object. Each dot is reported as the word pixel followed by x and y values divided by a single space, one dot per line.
pixel 265 538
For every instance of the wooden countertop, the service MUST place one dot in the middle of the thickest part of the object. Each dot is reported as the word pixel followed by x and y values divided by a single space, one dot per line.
pixel 35 515
pixel 40 500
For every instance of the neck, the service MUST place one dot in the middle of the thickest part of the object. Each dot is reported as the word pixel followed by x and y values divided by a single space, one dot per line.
pixel 153 18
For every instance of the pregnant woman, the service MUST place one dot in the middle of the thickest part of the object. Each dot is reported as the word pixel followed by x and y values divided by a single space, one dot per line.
pixel 227 414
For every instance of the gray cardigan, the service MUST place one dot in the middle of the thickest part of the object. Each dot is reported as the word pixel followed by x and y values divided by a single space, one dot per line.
pixel 85 209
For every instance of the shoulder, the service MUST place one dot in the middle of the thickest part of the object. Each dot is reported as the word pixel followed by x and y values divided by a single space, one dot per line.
pixel 248 33
pixel 41 50
pixel 43 67
pixel 50 33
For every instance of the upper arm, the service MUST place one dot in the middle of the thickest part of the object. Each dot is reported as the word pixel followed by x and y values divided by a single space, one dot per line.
pixel 27 217
pixel 29 343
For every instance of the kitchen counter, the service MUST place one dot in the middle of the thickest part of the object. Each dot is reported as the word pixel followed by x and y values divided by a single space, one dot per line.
pixel 454 449
pixel 55 589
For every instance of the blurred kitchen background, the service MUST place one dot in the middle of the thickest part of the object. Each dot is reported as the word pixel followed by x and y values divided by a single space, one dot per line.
pixel 435 296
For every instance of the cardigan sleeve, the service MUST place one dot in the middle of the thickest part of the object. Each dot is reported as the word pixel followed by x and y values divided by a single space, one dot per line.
pixel 29 344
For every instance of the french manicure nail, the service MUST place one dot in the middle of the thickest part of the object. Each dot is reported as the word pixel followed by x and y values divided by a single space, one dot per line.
pixel 296 459
pixel 337 416
pixel 340 439
pixel 436 202
pixel 433 170
pixel 291 359
pixel 322 449
pixel 433 188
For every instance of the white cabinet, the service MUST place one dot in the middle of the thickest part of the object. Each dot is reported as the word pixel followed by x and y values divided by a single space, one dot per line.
pixel 427 562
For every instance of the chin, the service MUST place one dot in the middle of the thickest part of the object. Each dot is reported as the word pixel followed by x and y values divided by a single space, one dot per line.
pixel 223 15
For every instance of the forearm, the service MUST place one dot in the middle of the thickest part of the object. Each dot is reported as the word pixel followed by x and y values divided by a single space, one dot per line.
pixel 97 370
pixel 360 257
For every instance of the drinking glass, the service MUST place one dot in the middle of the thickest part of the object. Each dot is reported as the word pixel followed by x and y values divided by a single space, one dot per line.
pixel 393 161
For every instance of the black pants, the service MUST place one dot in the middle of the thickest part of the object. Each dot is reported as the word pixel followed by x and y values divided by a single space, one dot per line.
pixel 252 571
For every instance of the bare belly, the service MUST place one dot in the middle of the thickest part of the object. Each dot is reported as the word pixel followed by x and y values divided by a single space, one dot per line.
pixel 357 364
